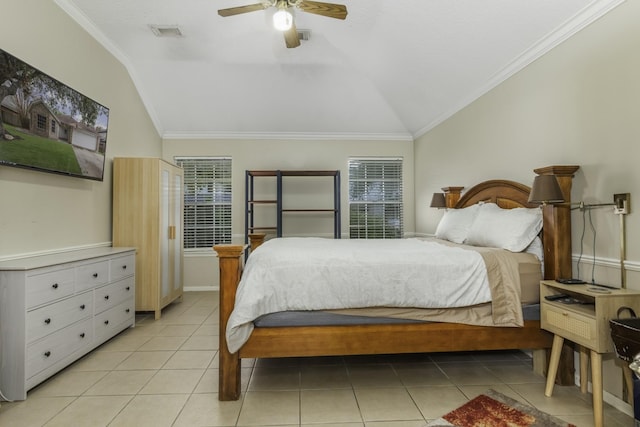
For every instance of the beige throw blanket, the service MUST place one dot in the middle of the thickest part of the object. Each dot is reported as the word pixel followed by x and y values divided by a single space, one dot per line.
pixel 504 310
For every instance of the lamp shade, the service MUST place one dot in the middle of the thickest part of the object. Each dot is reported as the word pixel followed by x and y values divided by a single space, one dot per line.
pixel 438 201
pixel 545 189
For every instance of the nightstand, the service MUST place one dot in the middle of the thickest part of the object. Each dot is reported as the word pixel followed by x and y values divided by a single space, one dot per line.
pixel 583 318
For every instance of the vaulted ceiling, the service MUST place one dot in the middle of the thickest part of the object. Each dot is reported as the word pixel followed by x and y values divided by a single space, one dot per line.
pixel 392 69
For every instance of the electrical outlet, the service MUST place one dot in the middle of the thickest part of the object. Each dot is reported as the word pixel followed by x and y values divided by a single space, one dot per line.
pixel 621 203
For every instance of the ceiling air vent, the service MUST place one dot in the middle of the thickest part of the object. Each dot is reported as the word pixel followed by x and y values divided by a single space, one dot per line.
pixel 304 34
pixel 166 30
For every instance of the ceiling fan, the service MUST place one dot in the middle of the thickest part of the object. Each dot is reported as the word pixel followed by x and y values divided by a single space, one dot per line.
pixel 283 19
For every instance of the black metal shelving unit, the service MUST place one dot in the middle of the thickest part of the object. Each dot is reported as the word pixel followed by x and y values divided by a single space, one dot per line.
pixel 251 202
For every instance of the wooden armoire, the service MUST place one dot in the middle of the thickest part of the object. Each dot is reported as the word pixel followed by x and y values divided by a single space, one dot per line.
pixel 148 215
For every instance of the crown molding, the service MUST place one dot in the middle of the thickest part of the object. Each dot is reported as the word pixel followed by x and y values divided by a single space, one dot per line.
pixel 582 19
pixel 304 136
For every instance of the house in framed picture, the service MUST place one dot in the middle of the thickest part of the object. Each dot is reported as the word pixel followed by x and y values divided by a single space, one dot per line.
pixel 401 100
pixel 44 121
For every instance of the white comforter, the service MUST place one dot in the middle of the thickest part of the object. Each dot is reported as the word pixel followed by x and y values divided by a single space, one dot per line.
pixel 322 274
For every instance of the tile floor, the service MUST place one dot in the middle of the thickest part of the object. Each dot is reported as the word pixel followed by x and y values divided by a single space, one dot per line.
pixel 164 373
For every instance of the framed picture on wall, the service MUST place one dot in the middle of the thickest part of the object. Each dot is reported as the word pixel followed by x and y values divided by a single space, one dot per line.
pixel 46 125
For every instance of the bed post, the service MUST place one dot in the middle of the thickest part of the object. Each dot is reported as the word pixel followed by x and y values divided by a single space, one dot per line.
pixel 557 225
pixel 230 258
pixel 255 240
pixel 451 196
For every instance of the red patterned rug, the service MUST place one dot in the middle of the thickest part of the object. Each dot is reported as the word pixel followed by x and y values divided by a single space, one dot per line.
pixel 493 409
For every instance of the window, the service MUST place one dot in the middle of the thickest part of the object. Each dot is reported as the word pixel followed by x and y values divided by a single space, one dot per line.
pixel 375 198
pixel 41 122
pixel 207 201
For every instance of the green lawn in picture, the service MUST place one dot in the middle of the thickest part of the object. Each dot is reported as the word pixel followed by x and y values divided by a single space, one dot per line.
pixel 40 152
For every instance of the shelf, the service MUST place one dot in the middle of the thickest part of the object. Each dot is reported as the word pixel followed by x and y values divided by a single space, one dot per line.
pixel 279 174
pixel 309 210
pixel 275 173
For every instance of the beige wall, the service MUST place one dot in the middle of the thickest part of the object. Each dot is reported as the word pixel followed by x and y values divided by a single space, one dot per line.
pixel 42 212
pixel 579 104
pixel 290 154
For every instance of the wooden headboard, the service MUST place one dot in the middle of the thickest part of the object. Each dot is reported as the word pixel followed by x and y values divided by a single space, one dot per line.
pixel 556 229
pixel 506 194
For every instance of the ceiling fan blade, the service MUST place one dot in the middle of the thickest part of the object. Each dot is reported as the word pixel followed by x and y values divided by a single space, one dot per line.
pixel 330 10
pixel 241 9
pixel 291 37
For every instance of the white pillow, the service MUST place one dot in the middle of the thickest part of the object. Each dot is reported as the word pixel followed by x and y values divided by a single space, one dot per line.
pixel 535 248
pixel 455 224
pixel 510 229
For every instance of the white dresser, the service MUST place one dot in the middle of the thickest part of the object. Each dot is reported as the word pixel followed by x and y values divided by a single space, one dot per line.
pixel 56 308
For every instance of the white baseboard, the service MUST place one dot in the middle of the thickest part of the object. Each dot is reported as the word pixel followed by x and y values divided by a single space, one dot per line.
pixel 200 288
pixel 609 398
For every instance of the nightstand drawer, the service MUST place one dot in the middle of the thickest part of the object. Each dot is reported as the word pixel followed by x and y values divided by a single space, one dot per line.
pixel 573 326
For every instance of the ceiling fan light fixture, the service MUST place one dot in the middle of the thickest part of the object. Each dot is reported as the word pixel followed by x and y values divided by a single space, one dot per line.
pixel 282 20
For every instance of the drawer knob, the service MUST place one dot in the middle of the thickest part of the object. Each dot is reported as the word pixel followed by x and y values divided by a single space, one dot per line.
pixel 95 275
pixel 47 353
pixel 124 267
pixel 47 320
pixel 82 335
pixel 128 288
pixel 564 313
pixel 106 297
pixel 82 307
pixel 106 322
pixel 54 286
pixel 127 310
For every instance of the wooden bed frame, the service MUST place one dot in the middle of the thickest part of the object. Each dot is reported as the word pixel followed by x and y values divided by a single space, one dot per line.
pixel 403 338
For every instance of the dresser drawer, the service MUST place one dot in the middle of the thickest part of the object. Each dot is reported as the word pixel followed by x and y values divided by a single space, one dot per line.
pixel 55 347
pixel 110 295
pixel 122 267
pixel 107 322
pixel 577 327
pixel 50 286
pixel 48 319
pixel 91 275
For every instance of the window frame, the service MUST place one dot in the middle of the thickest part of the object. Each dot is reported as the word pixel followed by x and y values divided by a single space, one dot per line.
pixel 384 205
pixel 222 226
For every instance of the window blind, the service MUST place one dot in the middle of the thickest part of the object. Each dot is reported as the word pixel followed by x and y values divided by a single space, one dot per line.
pixel 375 198
pixel 207 201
